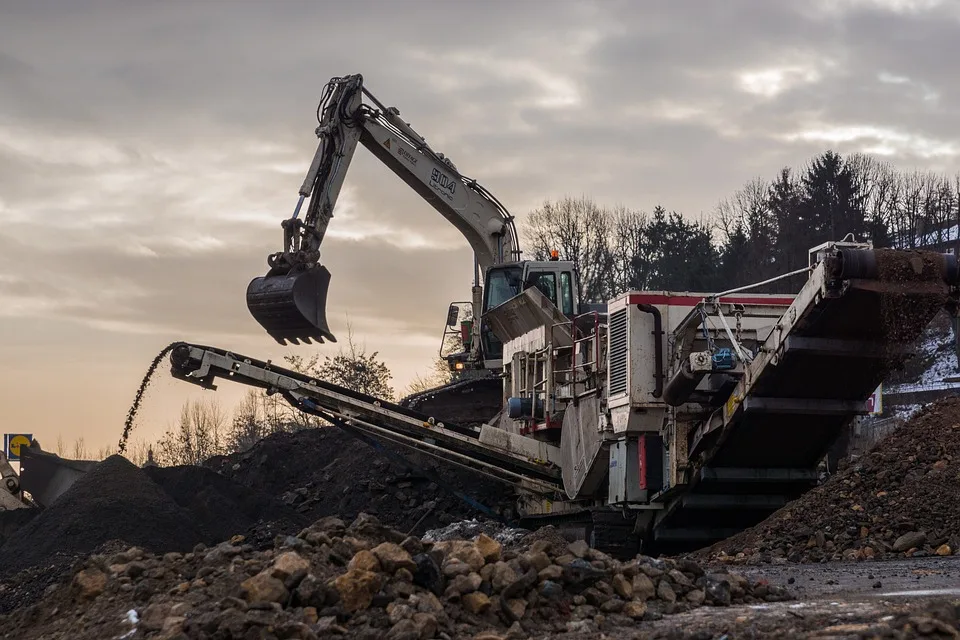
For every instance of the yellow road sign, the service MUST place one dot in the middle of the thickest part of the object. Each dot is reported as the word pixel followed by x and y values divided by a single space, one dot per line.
pixel 14 442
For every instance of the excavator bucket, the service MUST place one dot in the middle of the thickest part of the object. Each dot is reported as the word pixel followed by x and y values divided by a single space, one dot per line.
pixel 292 307
pixel 46 476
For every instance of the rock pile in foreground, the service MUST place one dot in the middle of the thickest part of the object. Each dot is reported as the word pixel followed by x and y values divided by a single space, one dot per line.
pixel 368 581
pixel 899 500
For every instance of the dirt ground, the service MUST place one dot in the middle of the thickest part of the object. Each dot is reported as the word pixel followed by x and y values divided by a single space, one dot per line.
pixel 909 578
pixel 916 598
pixel 833 600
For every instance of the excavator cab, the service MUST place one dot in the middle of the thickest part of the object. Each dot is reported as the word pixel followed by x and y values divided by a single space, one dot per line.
pixel 555 279
pixel 291 305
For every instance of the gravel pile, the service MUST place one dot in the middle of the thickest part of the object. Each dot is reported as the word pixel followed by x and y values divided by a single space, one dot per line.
pixel 325 471
pixel 898 500
pixel 467 403
pixel 369 581
pixel 11 521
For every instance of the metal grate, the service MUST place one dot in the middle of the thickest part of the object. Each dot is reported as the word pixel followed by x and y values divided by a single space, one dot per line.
pixel 617 350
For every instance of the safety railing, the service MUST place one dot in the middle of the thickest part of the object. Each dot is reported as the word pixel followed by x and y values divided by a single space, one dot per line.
pixel 589 343
pixel 545 375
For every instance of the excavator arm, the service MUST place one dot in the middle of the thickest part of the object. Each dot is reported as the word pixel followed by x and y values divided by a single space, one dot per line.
pixel 290 300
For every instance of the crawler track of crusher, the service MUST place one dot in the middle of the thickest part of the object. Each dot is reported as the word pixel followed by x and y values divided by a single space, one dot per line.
pixel 848 328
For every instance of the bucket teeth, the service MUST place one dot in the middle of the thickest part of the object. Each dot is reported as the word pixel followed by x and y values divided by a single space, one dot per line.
pixel 292 307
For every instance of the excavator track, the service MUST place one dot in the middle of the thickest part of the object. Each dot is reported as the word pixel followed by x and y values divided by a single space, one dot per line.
pixel 465 402
pixel 607 530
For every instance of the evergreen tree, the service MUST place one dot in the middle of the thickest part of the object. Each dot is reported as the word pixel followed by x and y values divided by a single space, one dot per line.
pixel 832 203
pixel 793 236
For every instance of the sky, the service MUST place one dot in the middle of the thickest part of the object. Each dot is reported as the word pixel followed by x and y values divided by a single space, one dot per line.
pixel 149 151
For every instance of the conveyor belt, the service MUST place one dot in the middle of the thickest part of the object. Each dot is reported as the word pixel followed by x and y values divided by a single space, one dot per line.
pixel 382 420
pixel 835 345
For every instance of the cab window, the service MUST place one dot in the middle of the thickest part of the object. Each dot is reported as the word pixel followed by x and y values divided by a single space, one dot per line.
pixel 546 282
pixel 566 293
pixel 501 285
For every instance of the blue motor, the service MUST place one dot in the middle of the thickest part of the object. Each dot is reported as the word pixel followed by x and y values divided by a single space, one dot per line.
pixel 518 408
pixel 724 360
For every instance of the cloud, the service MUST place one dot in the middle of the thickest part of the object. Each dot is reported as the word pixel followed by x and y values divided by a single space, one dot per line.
pixel 148 152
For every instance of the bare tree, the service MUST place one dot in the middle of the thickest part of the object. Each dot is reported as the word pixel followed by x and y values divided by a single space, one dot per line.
pixel 137 454
pixel 437 376
pixel 956 231
pixel 630 249
pixel 580 231
pixel 939 208
pixel 352 368
pixel 278 412
pixel 880 186
pixel 250 422
pixel 198 435
pixel 908 218
pixel 748 209
pixel 79 449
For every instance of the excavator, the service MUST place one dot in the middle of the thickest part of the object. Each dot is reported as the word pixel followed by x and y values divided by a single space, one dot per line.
pixel 289 301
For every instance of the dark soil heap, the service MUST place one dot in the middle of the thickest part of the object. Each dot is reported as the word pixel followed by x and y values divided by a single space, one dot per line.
pixel 117 505
pixel 114 501
pixel 900 499
pixel 326 471
pixel 223 508
pixel 467 403
pixel 368 581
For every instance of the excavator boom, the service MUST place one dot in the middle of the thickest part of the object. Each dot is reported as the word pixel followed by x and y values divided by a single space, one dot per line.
pixel 290 300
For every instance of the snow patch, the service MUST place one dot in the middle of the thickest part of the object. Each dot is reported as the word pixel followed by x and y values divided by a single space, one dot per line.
pixel 131 618
pixel 469 529
pixel 938 346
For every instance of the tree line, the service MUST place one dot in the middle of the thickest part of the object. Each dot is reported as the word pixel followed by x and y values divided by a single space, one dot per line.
pixel 762 230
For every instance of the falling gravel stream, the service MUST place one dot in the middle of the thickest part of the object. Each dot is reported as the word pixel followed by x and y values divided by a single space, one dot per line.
pixel 144 383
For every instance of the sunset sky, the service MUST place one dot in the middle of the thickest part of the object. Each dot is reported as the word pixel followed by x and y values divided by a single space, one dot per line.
pixel 149 151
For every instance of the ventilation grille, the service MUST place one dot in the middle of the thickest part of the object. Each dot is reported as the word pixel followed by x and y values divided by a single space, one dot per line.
pixel 617 350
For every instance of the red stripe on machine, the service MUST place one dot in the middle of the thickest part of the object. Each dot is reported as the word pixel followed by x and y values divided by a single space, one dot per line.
pixel 692 301
pixel 642 454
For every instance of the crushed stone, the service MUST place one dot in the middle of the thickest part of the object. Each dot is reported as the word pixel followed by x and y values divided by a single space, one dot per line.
pixel 365 580
pixel 117 505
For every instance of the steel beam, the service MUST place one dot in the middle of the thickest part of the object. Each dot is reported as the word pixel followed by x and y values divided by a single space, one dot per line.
pixel 742 474
pixel 732 501
pixel 846 348
pixel 805 406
